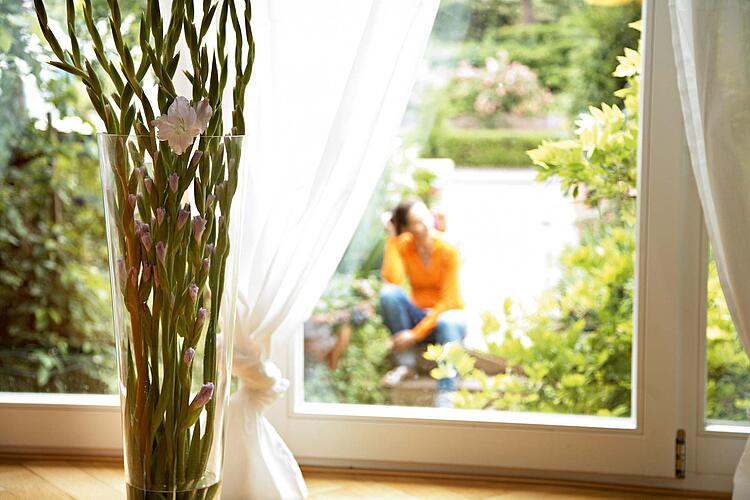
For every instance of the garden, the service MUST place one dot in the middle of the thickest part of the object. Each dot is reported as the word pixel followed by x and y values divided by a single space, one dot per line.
pixel 499 108
pixel 517 84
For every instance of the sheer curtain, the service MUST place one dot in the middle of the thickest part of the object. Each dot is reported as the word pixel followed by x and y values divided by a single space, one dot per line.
pixel 331 82
pixel 711 47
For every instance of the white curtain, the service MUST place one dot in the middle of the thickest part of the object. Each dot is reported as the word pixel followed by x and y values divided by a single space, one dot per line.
pixel 331 83
pixel 711 46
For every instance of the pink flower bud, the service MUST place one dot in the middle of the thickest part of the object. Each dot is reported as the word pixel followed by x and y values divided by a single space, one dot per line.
pixel 132 199
pixel 121 271
pixel 206 264
pixel 200 318
pixel 210 249
pixel 148 183
pixel 160 213
pixel 188 356
pixel 182 218
pixel 174 181
pixel 146 240
pixel 146 273
pixel 193 292
pixel 199 225
pixel 203 396
pixel 210 199
pixel 161 252
pixel 133 277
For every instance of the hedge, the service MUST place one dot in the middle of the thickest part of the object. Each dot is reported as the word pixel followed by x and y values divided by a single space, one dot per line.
pixel 485 147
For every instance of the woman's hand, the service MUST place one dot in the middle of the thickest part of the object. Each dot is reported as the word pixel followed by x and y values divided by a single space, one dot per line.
pixel 403 340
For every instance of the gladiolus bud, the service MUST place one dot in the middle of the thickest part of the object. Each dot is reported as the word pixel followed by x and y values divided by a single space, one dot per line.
pixel 146 240
pixel 210 199
pixel 133 277
pixel 205 265
pixel 188 356
pixel 199 225
pixel 160 213
pixel 210 249
pixel 203 396
pixel 148 183
pixel 200 318
pixel 174 181
pixel 146 273
pixel 132 199
pixel 182 218
pixel 121 271
pixel 193 292
pixel 161 252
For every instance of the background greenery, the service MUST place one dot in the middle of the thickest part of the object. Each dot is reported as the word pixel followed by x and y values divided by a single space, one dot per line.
pixel 56 331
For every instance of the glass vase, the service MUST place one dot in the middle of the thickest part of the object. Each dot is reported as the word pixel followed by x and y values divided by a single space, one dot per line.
pixel 173 269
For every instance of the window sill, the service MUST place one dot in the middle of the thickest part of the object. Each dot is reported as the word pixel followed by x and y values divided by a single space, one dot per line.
pixel 408 414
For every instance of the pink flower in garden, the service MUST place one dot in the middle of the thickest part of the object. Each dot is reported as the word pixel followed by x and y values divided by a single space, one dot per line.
pixel 484 105
pixel 183 123
pixel 466 70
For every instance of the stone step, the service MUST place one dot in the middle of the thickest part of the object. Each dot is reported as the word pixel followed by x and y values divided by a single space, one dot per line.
pixel 420 391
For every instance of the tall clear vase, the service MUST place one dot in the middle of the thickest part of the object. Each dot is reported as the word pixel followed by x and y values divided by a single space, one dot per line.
pixel 173 230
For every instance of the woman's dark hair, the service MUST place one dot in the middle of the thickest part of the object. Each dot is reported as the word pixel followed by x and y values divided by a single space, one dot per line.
pixel 399 217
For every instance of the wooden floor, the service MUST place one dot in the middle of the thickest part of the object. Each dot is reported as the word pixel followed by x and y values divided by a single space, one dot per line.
pixel 35 479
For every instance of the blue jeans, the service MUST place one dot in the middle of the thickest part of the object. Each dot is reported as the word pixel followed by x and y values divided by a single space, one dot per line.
pixel 400 313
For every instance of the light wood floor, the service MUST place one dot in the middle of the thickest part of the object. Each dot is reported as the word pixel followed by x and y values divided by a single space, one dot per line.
pixel 37 480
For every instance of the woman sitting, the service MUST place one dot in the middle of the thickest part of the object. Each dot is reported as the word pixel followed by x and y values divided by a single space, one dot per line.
pixel 433 314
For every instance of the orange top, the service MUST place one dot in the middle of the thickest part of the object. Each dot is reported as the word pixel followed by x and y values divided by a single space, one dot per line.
pixel 434 286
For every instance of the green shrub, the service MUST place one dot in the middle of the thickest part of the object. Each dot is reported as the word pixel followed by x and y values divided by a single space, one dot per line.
pixel 356 378
pixel 572 354
pixel 485 147
pixel 573 55
pixel 728 368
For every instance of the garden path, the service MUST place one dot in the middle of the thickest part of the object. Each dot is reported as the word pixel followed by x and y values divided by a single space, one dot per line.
pixel 510 230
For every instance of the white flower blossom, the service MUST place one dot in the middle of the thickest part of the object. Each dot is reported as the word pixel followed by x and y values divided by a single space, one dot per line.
pixel 182 123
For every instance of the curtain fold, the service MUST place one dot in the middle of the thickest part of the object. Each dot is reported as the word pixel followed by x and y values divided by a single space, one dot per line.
pixel 330 85
pixel 711 45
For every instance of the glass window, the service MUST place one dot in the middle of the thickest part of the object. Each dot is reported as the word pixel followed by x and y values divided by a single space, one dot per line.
pixel 56 333
pixel 727 365
pixel 514 271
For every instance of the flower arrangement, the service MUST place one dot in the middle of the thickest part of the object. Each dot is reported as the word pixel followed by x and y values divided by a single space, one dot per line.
pixel 169 177
pixel 499 88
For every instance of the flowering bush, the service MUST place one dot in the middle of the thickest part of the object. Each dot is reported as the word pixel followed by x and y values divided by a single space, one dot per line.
pixel 499 88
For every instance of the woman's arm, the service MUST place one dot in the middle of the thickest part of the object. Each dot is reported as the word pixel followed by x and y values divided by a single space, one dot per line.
pixel 392 270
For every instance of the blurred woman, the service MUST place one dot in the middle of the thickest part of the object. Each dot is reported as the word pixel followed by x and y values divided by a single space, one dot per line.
pixel 432 312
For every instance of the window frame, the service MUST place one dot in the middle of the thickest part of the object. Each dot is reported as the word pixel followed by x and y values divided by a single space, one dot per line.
pixel 668 392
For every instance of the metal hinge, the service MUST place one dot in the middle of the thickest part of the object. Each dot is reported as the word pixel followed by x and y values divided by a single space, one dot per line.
pixel 680 449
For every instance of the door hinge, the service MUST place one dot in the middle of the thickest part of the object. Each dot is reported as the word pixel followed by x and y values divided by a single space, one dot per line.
pixel 680 450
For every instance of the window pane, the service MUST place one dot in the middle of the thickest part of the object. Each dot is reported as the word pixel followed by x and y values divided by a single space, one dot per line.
pixel 530 192
pixel 727 366
pixel 55 333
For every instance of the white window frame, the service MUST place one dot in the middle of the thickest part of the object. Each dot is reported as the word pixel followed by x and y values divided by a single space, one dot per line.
pixel 668 390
